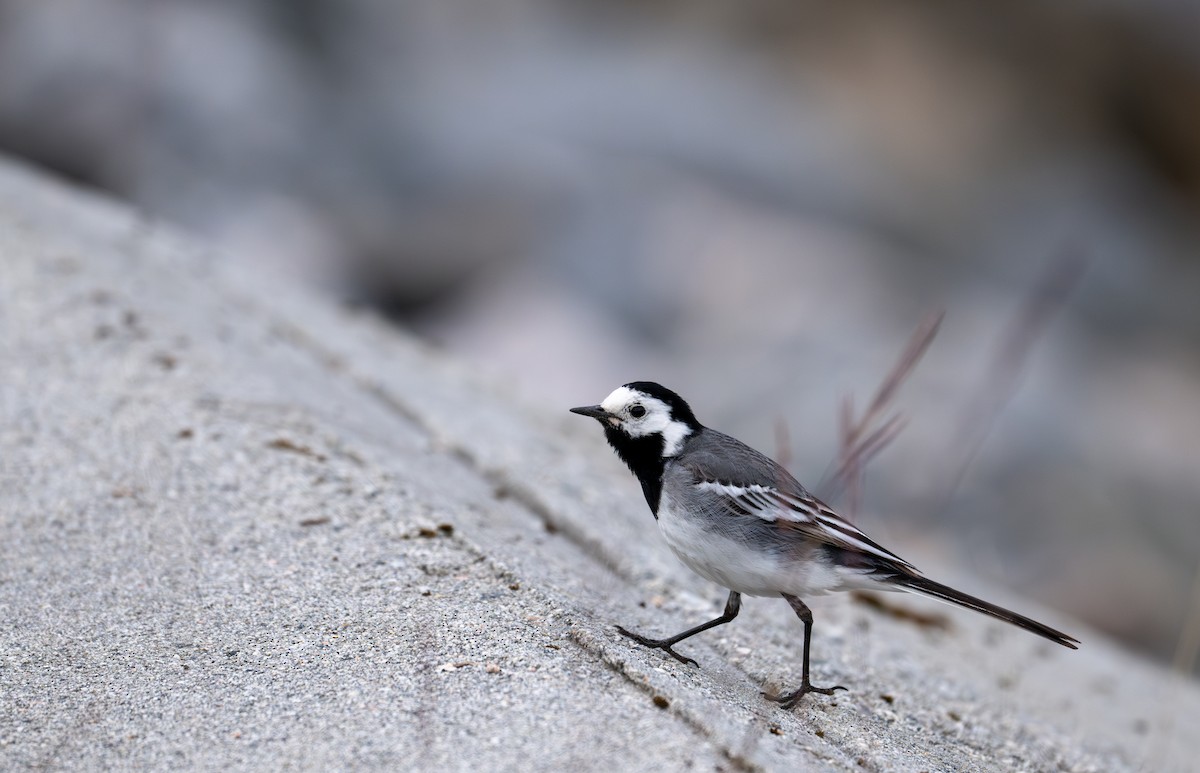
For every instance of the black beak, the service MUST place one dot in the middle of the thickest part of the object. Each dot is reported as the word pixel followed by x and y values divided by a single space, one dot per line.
pixel 595 411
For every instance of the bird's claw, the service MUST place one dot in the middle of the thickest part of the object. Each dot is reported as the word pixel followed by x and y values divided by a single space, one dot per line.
pixel 658 644
pixel 789 700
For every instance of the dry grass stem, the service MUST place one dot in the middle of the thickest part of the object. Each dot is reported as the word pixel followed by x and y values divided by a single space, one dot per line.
pixel 861 439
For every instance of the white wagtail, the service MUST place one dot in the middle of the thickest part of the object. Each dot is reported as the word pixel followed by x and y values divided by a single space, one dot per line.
pixel 738 518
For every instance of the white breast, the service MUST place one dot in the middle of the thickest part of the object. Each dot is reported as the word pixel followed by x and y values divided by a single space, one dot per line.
pixel 736 565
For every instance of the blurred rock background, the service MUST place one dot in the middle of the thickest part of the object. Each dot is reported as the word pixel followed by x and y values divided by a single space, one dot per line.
pixel 754 203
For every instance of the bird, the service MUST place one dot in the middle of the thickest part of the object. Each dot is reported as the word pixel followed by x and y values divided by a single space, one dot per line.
pixel 739 519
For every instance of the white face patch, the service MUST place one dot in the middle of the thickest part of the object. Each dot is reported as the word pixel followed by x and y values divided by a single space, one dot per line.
pixel 657 418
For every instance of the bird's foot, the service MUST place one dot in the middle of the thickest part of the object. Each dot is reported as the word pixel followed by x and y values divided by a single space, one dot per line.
pixel 788 700
pixel 658 644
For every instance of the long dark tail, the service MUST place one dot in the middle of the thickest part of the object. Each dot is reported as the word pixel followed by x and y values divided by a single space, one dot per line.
pixel 935 590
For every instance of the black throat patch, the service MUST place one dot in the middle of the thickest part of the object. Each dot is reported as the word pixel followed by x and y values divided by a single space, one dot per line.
pixel 644 456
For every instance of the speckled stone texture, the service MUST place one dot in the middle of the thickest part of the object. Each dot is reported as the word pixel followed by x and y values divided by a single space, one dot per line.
pixel 243 528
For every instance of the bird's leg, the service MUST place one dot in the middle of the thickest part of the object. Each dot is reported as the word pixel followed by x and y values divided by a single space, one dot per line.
pixel 731 609
pixel 789 700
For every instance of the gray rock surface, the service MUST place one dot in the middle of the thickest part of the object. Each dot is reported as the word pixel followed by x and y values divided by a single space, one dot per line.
pixel 242 528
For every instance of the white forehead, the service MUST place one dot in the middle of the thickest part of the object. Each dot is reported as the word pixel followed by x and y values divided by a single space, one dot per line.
pixel 618 399
pixel 623 397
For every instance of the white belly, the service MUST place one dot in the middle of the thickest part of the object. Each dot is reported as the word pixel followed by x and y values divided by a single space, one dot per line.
pixel 737 565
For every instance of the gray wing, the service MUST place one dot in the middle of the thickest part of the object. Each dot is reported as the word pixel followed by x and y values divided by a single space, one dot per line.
pixel 745 484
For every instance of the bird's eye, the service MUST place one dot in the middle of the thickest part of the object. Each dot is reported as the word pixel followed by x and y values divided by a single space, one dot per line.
pixel 637 411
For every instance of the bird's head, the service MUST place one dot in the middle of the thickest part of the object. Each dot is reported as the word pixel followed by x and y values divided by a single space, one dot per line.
pixel 646 412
